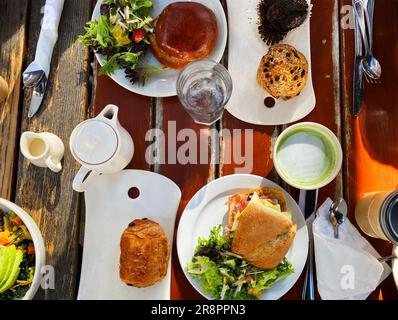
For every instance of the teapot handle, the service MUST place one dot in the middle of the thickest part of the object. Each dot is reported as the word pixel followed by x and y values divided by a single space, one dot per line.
pixel 83 179
pixel 110 113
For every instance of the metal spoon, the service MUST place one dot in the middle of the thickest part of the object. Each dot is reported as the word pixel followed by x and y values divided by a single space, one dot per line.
pixel 337 215
pixel 370 64
pixel 33 75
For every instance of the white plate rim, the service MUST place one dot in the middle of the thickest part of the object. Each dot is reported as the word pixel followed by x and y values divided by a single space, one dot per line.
pixel 234 182
pixel 216 55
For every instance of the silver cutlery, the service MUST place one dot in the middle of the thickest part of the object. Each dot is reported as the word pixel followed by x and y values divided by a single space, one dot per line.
pixel 33 75
pixel 308 205
pixel 337 215
pixel 36 75
pixel 358 84
pixel 370 64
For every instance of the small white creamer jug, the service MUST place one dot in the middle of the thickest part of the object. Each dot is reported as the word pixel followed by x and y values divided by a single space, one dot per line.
pixel 44 150
pixel 102 146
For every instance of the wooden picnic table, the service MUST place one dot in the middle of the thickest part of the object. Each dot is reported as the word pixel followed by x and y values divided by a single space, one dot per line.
pixel 75 92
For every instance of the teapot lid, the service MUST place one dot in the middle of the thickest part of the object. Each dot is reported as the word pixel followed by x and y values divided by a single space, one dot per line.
pixel 95 142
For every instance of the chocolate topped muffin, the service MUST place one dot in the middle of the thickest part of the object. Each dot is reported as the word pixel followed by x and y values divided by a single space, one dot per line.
pixel 278 17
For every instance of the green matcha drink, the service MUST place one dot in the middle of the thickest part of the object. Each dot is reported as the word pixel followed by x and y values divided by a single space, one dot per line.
pixel 307 156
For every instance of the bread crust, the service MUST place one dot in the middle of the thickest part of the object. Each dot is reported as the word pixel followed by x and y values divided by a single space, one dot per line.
pixel 263 236
pixel 184 32
pixel 144 254
pixel 283 72
pixel 272 193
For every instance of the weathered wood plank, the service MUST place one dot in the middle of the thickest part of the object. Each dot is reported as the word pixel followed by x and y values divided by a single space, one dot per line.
pixel 190 177
pixel 325 59
pixel 48 197
pixel 12 41
pixel 370 140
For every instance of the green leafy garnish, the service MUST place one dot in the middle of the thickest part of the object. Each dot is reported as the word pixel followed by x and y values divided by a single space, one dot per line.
pixel 98 33
pixel 118 60
pixel 226 276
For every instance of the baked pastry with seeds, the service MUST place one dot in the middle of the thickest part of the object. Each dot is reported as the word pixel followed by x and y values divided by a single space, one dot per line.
pixel 283 72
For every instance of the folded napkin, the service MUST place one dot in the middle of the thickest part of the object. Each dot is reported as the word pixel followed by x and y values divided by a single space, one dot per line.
pixel 48 34
pixel 347 268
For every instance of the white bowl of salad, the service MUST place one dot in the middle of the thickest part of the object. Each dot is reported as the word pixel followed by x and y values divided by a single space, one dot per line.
pixel 22 253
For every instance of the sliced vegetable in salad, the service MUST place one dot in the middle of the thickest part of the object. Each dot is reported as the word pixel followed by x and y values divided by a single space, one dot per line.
pixel 17 257
pixel 227 276
pixel 121 34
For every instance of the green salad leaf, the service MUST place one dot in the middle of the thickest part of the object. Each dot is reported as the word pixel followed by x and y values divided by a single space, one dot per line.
pixel 227 276
pixel 207 271
pixel 217 239
pixel 98 33
pixel 118 60
pixel 121 34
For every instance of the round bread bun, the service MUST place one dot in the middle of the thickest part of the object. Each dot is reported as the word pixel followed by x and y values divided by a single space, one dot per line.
pixel 144 254
pixel 184 32
pixel 283 72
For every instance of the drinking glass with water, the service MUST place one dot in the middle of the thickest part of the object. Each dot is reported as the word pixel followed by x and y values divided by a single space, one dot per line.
pixel 204 88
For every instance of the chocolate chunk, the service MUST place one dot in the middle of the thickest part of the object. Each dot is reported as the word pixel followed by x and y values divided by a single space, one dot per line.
pixel 303 73
pixel 295 78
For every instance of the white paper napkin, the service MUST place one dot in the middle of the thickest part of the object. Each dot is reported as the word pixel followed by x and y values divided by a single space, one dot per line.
pixel 347 268
pixel 48 34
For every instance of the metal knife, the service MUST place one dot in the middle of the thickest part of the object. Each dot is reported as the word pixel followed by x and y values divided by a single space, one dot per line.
pixel 308 205
pixel 358 85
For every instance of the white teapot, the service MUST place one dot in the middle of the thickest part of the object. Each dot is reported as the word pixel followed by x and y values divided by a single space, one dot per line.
pixel 102 146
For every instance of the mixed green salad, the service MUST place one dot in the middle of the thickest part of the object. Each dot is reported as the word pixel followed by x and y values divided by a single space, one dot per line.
pixel 17 257
pixel 227 276
pixel 121 34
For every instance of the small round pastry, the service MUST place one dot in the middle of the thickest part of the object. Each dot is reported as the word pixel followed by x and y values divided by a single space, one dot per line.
pixel 184 32
pixel 144 254
pixel 283 72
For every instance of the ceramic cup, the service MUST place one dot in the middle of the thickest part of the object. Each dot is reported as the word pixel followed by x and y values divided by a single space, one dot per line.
pixel 307 156
pixel 102 146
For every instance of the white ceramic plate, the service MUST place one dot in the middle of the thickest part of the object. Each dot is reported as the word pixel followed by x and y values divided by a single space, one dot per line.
pixel 38 242
pixel 208 209
pixel 163 84
pixel 109 210
pixel 246 49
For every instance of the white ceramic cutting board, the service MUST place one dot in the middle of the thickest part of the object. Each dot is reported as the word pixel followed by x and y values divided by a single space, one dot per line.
pixel 246 49
pixel 109 210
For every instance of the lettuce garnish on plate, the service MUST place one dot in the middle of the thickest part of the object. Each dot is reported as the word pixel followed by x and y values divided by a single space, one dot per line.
pixel 121 34
pixel 227 276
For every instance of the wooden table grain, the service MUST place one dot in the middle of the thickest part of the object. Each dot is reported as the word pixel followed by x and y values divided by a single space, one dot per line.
pixel 75 92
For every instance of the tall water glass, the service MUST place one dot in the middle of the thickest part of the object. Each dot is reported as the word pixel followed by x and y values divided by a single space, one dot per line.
pixel 204 87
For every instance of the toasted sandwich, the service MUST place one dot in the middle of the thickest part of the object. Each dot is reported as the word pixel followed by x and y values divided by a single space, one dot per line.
pixel 259 226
